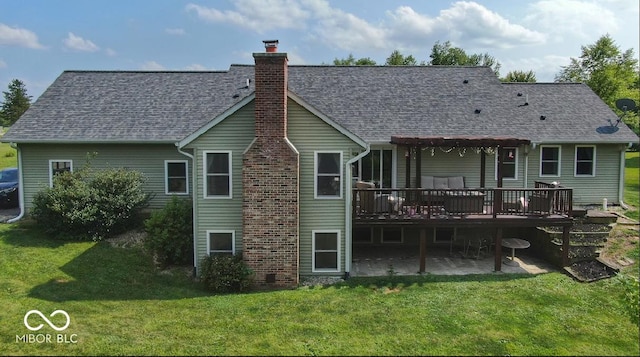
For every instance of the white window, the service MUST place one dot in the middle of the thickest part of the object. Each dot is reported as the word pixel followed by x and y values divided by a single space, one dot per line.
pixel 176 173
pixel 217 174
pixel 221 242
pixel 326 251
pixel 550 161
pixel 509 164
pixel 328 174
pixel 58 167
pixel 585 161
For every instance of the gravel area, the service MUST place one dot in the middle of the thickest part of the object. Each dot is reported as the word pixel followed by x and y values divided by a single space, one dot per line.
pixel 320 280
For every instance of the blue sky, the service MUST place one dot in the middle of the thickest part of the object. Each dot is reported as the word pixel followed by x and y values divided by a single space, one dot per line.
pixel 41 38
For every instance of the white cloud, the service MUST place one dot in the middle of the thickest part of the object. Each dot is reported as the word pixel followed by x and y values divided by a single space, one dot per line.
pixel 110 52
pixel 14 36
pixel 256 15
pixel 343 30
pixel 152 66
pixel 78 43
pixel 565 19
pixel 177 32
pixel 3 64
pixel 462 23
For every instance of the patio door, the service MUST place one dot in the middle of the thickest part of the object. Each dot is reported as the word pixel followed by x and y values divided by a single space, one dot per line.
pixel 376 167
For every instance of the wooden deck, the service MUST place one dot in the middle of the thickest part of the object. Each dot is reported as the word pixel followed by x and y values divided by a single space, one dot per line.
pixel 494 207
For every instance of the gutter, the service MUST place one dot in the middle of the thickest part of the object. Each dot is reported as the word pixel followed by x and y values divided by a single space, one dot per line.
pixel 193 201
pixel 20 186
pixel 347 211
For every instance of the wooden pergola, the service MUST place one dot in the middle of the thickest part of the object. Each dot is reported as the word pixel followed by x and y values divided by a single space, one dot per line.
pixel 417 143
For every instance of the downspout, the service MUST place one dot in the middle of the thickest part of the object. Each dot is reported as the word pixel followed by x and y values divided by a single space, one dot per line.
pixel 193 202
pixel 347 211
pixel 20 185
pixel 621 178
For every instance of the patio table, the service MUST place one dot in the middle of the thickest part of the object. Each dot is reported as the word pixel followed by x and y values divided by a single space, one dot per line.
pixel 514 243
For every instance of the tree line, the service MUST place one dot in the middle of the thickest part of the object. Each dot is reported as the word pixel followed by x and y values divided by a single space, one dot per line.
pixel 610 72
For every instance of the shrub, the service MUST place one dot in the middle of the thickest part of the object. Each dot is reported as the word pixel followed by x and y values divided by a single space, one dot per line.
pixel 225 273
pixel 170 232
pixel 630 298
pixel 88 204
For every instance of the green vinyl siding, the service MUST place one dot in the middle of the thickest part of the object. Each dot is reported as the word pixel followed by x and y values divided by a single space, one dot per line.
pixel 310 134
pixel 586 189
pixel 233 134
pixel 146 158
pixel 456 162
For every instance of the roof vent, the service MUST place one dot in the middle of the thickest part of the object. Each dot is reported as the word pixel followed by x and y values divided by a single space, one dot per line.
pixel 542 117
pixel 465 81
pixel 477 111
pixel 519 94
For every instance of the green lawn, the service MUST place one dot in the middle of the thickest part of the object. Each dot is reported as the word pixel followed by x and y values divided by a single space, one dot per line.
pixel 8 157
pixel 632 183
pixel 119 305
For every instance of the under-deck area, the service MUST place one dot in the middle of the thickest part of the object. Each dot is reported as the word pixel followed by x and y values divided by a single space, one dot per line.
pixel 405 260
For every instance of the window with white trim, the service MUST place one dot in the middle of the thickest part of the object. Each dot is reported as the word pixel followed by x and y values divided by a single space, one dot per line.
pixel 509 164
pixel 328 174
pixel 221 242
pixel 585 160
pixel 326 251
pixel 217 174
pixel 176 173
pixel 550 161
pixel 57 167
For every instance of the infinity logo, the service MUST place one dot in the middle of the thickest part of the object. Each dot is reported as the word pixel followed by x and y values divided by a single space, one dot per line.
pixel 26 317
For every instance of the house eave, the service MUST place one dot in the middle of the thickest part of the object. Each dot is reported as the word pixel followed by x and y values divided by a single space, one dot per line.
pixel 88 141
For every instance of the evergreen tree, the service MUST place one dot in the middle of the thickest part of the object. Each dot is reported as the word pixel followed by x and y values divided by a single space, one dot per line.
pixel 16 102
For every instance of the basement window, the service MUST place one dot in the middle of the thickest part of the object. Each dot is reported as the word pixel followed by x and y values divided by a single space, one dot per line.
pixel 326 251
pixel 221 242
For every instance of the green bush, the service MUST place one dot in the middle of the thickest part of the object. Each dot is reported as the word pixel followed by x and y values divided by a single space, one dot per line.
pixel 630 298
pixel 170 233
pixel 88 204
pixel 225 273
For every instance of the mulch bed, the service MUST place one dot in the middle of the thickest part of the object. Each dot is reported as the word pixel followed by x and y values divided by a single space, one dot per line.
pixel 591 270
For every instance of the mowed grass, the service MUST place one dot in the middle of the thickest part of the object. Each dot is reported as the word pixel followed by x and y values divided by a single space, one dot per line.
pixel 8 156
pixel 120 305
pixel 632 183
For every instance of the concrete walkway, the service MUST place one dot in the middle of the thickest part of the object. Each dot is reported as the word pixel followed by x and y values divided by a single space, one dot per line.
pixel 443 263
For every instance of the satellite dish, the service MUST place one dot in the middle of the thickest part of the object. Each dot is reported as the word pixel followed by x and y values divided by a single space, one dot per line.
pixel 626 104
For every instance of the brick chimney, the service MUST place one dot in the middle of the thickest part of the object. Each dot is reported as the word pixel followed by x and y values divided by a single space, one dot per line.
pixel 270 180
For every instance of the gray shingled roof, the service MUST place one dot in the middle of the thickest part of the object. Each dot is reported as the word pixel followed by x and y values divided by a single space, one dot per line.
pixel 373 102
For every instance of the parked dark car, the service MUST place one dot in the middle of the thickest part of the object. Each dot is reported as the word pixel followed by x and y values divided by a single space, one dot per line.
pixel 9 187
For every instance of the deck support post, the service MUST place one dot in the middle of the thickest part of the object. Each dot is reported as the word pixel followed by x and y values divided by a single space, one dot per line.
pixel 418 166
pixel 565 245
pixel 423 250
pixel 407 174
pixel 483 168
pixel 498 250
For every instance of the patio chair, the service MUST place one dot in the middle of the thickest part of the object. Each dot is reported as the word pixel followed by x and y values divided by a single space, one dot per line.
pixel 477 245
pixel 367 198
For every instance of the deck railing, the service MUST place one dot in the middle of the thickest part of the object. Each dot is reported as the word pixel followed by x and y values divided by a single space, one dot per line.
pixel 416 203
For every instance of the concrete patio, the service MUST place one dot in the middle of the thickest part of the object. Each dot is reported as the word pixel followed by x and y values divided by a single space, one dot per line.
pixel 440 261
